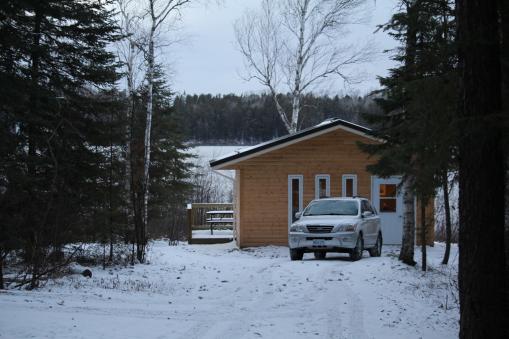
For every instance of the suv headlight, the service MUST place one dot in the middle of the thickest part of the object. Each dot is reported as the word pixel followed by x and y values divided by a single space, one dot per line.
pixel 298 228
pixel 346 228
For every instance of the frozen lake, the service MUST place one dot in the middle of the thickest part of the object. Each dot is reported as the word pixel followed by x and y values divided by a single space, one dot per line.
pixel 214 180
pixel 207 153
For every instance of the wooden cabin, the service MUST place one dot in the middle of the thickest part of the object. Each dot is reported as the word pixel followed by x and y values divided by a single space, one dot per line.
pixel 275 179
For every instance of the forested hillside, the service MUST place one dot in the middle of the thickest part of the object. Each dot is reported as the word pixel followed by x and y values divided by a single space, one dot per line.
pixel 248 119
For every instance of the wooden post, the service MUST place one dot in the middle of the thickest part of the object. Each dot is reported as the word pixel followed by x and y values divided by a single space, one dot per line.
pixel 189 223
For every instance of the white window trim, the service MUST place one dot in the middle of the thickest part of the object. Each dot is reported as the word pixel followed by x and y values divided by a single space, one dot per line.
pixel 343 184
pixel 300 177
pixel 317 184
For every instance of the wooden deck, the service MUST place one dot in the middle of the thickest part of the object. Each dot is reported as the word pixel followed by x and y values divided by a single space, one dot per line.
pixel 210 223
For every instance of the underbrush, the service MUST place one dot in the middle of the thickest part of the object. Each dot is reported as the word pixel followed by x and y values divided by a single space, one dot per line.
pixel 54 264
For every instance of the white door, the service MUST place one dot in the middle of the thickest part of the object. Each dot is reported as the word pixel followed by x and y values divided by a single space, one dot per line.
pixel 388 201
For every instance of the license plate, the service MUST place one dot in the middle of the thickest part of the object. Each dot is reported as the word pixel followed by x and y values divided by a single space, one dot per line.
pixel 319 242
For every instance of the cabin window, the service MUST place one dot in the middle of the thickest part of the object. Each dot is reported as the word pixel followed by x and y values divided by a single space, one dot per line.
pixel 349 185
pixel 322 186
pixel 295 193
pixel 388 198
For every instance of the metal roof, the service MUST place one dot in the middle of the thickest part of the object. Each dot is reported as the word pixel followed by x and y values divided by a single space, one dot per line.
pixel 324 127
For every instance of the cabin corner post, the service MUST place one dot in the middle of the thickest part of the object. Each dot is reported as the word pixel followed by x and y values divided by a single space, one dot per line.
pixel 189 223
pixel 237 206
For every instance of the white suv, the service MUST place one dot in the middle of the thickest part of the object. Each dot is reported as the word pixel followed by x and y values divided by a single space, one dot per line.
pixel 346 225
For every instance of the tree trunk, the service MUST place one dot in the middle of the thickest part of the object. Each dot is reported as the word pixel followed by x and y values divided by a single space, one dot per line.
pixel 423 235
pixel 295 113
pixel 299 66
pixel 110 188
pixel 32 225
pixel 481 174
pixel 413 9
pixel 129 209
pixel 406 253
pixel 104 256
pixel 35 262
pixel 280 110
pixel 504 18
pixel 138 222
pixel 148 130
pixel 448 226
pixel 2 286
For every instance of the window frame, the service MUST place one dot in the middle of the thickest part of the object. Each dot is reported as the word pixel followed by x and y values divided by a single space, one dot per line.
pixel 291 177
pixel 388 198
pixel 344 178
pixel 318 177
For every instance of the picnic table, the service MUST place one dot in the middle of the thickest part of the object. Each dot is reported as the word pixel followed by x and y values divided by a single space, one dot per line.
pixel 216 219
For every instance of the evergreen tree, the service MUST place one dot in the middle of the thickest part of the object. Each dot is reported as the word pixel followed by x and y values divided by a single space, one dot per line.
pixel 253 118
pixel 54 63
pixel 169 170
pixel 418 103
pixel 483 284
pixel 170 166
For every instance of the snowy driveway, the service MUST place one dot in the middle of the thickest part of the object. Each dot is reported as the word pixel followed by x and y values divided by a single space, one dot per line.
pixel 217 291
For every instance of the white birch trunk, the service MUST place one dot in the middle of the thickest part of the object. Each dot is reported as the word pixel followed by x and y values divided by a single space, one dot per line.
pixel 148 128
pixel 406 253
pixel 296 93
pixel 280 109
pixel 295 113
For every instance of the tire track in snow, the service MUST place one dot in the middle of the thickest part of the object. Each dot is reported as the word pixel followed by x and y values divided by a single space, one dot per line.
pixel 215 326
pixel 350 306
pixel 320 287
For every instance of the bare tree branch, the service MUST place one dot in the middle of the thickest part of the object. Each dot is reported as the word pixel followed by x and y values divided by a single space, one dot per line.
pixel 298 43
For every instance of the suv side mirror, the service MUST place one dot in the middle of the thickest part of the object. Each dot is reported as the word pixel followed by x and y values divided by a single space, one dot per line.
pixel 298 214
pixel 366 214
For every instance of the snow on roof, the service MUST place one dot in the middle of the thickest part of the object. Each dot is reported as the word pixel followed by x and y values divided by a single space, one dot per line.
pixel 327 121
pixel 287 139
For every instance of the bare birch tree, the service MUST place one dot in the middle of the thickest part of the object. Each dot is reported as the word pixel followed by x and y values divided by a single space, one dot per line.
pixel 158 12
pixel 129 54
pixel 141 23
pixel 293 45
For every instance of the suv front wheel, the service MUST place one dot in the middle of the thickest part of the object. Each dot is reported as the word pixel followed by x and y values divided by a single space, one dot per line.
pixel 377 250
pixel 296 254
pixel 356 253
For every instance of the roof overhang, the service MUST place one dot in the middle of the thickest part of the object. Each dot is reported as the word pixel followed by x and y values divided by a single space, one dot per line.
pixel 230 160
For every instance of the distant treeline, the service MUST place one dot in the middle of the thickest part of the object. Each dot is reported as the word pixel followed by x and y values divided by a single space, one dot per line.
pixel 249 119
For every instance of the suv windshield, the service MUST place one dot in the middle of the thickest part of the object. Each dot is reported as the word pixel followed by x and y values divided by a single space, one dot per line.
pixel 332 207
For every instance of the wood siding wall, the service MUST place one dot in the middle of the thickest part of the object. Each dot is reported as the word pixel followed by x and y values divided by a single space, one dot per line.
pixel 262 182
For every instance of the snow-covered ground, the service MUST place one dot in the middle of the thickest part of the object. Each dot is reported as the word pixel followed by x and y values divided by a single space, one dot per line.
pixel 218 291
pixel 217 234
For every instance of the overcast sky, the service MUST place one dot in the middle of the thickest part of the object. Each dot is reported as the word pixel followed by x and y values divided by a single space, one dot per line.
pixel 208 62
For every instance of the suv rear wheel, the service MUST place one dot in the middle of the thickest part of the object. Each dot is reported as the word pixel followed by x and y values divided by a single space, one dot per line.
pixel 356 253
pixel 296 254
pixel 320 255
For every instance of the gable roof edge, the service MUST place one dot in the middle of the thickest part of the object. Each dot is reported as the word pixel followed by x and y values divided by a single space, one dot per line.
pixel 288 140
